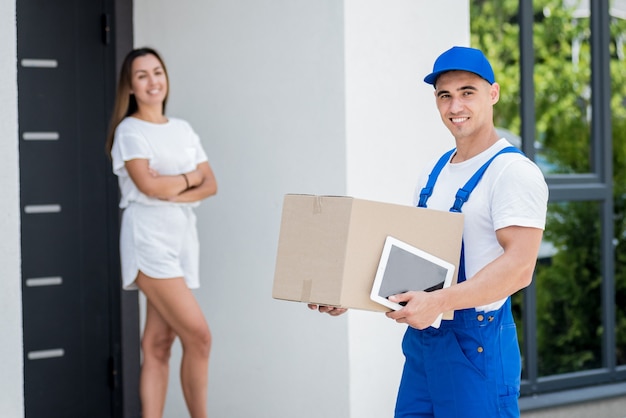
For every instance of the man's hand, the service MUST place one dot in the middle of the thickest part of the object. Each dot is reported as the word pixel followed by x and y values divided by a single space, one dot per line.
pixel 421 310
pixel 330 310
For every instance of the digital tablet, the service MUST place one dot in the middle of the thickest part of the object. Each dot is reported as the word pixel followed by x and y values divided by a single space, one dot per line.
pixel 403 267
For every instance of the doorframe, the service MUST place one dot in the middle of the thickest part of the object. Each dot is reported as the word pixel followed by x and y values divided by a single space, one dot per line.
pixel 124 355
pixel 125 317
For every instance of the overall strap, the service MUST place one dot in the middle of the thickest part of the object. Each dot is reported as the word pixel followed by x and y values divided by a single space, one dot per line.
pixel 427 191
pixel 464 192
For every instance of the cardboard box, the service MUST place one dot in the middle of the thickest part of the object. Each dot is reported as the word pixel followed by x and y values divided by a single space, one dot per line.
pixel 329 246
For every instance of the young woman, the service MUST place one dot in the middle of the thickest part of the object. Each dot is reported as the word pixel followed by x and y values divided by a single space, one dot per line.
pixel 163 174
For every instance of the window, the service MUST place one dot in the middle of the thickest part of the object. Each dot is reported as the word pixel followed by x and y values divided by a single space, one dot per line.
pixel 560 64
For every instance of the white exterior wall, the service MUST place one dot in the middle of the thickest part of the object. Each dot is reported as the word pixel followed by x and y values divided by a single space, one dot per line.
pixel 11 360
pixel 262 84
pixel 299 96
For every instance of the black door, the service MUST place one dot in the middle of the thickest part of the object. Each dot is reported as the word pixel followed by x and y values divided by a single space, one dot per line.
pixel 69 265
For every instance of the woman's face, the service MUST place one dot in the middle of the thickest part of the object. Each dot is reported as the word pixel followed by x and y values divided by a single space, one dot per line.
pixel 148 81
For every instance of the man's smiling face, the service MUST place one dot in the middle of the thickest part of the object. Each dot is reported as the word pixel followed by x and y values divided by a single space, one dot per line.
pixel 465 102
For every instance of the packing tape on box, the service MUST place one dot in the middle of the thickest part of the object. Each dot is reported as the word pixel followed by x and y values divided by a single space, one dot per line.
pixel 317 204
pixel 306 290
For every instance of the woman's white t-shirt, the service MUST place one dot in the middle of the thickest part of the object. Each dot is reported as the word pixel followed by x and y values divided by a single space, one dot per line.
pixel 171 148
pixel 512 192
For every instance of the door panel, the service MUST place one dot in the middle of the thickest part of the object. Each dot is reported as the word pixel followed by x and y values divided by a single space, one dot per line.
pixel 68 265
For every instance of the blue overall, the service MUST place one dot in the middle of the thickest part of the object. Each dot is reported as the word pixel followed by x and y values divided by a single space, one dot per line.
pixel 470 366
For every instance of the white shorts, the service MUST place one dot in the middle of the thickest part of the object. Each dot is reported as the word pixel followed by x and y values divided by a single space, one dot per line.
pixel 161 242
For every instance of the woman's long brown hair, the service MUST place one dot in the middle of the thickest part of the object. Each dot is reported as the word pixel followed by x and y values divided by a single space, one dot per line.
pixel 125 102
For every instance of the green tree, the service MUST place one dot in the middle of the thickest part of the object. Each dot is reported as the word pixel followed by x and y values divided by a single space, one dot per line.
pixel 569 321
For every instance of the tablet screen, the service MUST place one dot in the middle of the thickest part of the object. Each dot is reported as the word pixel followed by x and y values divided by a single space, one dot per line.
pixel 403 268
pixel 407 271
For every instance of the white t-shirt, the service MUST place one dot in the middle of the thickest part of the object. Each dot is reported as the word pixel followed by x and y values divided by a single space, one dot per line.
pixel 512 192
pixel 171 148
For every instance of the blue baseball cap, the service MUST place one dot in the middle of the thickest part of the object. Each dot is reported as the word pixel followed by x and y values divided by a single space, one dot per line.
pixel 460 58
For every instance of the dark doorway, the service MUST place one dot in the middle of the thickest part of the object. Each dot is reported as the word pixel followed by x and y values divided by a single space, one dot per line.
pixel 72 304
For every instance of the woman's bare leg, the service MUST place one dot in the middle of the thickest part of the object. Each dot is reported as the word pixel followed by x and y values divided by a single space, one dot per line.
pixel 156 345
pixel 179 308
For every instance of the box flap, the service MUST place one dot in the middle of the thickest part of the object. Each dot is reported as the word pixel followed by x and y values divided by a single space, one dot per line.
pixel 311 249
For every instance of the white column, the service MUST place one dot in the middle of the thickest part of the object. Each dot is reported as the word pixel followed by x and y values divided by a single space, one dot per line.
pixel 392 130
